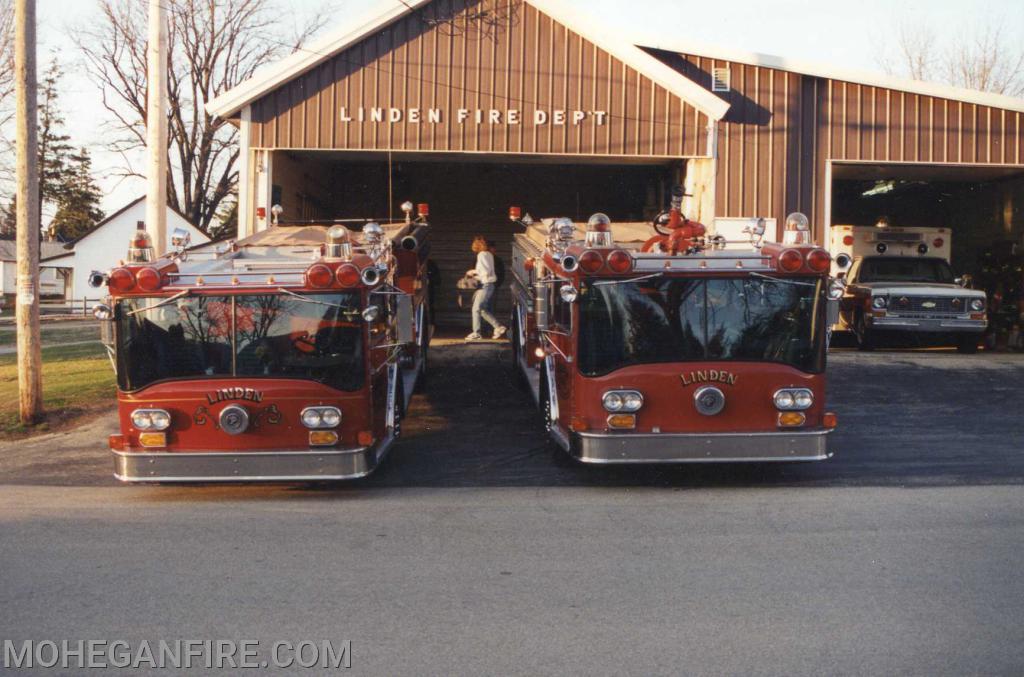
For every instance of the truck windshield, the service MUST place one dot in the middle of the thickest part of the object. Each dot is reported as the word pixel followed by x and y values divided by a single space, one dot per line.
pixel 317 337
pixel 895 269
pixel 749 319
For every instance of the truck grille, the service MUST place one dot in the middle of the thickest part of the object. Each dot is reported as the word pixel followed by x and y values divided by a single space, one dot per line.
pixel 928 305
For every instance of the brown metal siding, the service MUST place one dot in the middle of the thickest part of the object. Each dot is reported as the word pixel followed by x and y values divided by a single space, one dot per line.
pixel 801 122
pixel 530 63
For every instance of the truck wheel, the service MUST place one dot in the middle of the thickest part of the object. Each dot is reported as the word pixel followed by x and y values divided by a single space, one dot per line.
pixel 968 345
pixel 865 341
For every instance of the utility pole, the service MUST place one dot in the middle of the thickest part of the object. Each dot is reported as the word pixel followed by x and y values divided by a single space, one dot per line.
pixel 156 125
pixel 30 371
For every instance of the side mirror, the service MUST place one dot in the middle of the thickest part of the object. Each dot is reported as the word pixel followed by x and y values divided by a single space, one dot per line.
pixel 832 312
pixel 404 320
pixel 964 281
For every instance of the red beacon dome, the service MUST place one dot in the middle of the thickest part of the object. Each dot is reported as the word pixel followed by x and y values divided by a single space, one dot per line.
pixel 140 249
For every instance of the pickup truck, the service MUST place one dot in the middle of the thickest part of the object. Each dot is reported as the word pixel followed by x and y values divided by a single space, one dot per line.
pixel 912 296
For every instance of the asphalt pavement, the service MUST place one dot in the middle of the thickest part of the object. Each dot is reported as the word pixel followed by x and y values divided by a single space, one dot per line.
pixel 472 551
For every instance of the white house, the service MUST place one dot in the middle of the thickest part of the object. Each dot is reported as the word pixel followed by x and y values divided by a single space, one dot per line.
pixel 106 244
pixel 51 281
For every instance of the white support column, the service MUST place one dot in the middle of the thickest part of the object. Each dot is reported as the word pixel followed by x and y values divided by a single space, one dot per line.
pixel 245 176
pixel 713 188
pixel 264 180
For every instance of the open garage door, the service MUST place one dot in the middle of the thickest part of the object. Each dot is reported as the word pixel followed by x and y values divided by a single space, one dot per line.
pixel 468 196
pixel 983 205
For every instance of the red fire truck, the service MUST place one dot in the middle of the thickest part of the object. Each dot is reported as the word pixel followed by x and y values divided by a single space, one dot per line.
pixel 287 355
pixel 674 346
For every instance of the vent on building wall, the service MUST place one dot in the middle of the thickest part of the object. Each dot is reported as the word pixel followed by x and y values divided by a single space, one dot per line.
pixel 720 79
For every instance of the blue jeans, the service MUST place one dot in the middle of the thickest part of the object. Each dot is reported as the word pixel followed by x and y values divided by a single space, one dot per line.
pixel 482 299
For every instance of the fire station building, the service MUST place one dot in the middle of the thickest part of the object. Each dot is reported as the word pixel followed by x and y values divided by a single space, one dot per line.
pixel 476 105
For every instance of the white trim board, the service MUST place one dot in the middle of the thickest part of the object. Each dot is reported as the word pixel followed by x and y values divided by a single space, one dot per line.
pixel 829 72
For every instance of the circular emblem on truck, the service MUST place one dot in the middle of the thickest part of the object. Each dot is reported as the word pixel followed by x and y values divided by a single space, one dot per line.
pixel 234 419
pixel 709 400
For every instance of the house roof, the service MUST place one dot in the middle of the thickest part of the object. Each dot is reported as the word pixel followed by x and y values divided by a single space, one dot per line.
pixel 122 210
pixel 9 249
pixel 386 12
pixel 829 72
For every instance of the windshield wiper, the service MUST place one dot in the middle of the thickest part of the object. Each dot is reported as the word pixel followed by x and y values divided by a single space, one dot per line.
pixel 348 310
pixel 784 281
pixel 157 305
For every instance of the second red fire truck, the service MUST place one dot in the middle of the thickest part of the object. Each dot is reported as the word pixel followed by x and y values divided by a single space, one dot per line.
pixel 287 355
pixel 672 346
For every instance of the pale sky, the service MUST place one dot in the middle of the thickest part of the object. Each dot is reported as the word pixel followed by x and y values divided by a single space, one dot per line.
pixel 841 33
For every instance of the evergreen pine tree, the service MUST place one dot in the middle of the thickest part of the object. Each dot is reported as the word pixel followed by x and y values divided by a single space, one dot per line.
pixel 78 199
pixel 54 146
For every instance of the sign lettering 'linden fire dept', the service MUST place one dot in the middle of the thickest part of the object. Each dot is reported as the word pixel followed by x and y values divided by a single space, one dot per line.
pixel 478 116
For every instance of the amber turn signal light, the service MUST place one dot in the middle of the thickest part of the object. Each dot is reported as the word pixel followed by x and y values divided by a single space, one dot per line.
pixel 322 438
pixel 153 439
pixel 791 419
pixel 622 421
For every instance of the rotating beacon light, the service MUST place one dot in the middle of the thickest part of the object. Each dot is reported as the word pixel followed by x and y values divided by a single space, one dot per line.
pixel 140 249
pixel 339 244
pixel 798 229
pixel 599 231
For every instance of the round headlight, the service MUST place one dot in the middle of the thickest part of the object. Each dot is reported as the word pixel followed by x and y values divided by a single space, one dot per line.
pixel 568 293
pixel 978 304
pixel 612 401
pixel 311 418
pixel 142 420
pixel 632 401
pixel 159 420
pixel 784 400
pixel 879 302
pixel 803 399
pixel 330 417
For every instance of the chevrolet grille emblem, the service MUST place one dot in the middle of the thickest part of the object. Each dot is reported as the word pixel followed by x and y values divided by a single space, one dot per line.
pixel 928 304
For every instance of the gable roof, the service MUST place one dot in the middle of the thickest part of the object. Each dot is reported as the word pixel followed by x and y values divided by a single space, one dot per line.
pixel 71 244
pixel 830 72
pixel 9 249
pixel 386 12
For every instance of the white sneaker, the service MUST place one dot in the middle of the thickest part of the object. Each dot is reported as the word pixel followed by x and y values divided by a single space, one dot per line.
pixel 499 332
pixel 474 337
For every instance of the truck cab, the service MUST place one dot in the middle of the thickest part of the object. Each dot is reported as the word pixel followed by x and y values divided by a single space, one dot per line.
pixel 673 348
pixel 915 296
pixel 288 355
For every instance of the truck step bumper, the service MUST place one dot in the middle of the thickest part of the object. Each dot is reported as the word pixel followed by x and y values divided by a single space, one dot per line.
pixel 804 445
pixel 253 466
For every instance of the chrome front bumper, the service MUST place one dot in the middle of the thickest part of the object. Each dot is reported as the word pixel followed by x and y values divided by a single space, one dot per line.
pixel 252 466
pixel 922 324
pixel 806 445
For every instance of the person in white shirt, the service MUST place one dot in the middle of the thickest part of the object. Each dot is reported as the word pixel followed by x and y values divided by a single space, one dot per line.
pixel 484 296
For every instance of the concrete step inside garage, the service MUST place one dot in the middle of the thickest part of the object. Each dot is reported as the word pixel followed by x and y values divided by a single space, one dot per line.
pixel 467 197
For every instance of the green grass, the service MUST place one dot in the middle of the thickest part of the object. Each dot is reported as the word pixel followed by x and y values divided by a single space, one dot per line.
pixel 64 333
pixel 76 379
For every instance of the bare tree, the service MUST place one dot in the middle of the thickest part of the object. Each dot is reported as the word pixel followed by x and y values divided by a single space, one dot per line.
pixel 981 57
pixel 987 61
pixel 212 46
